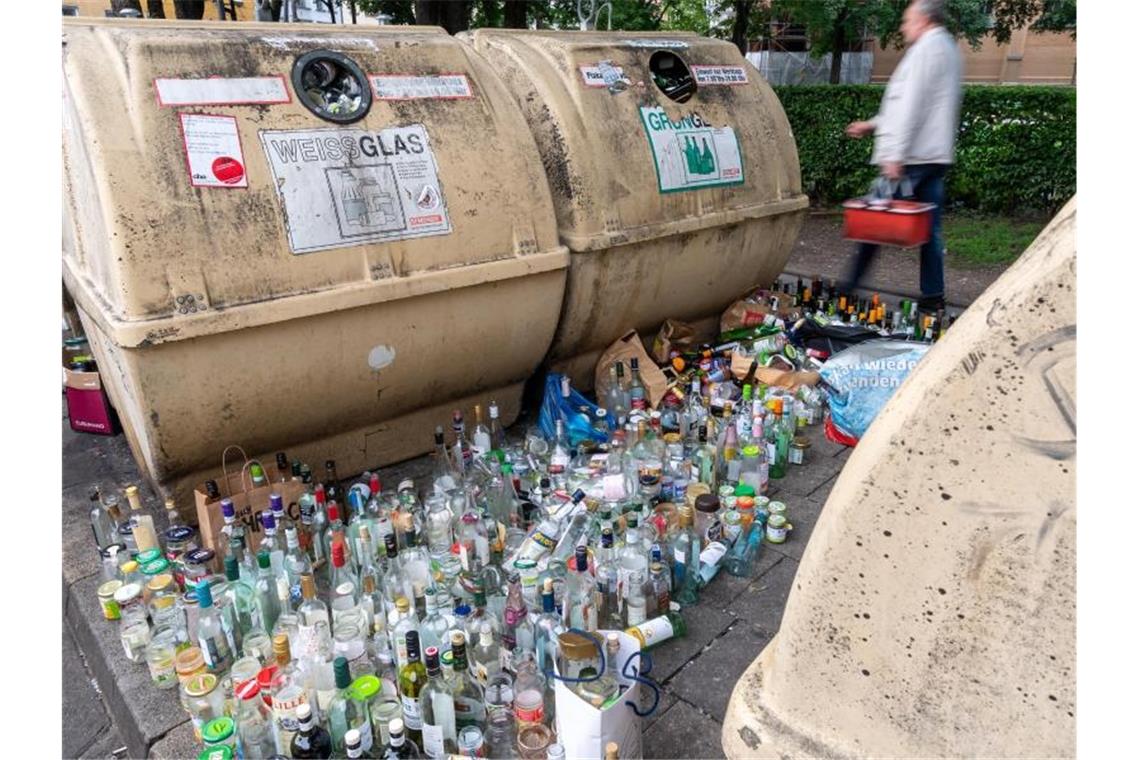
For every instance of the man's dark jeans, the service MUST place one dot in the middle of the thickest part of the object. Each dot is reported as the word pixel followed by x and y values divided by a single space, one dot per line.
pixel 927 183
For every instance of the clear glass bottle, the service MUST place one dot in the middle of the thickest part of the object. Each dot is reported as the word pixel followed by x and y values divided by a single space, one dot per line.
pixel 434 627
pixel 212 639
pixel 439 529
pixel 546 629
pixel 686 559
pixel 106 518
pixel 406 623
pixel 530 705
pixel 254 719
pixel 437 711
pixel 266 591
pixel 413 676
pixel 347 712
pixel 518 631
pixel 498 436
pixel 289 689
pixel 606 687
pixel 344 600
pixel 608 581
pixel 480 435
pixel 335 533
pixel 635 602
pixel 486 661
pixel 466 693
pixel 313 639
pixel 242 602
pixel 274 545
pixel 581 609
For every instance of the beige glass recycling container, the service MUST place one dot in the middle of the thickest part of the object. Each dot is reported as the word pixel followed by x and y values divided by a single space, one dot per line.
pixel 317 240
pixel 673 171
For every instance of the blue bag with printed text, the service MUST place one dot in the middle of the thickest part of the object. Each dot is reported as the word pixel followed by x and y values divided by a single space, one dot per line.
pixel 861 379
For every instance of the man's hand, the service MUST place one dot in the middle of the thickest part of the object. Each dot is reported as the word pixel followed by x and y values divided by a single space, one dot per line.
pixel 892 170
pixel 859 129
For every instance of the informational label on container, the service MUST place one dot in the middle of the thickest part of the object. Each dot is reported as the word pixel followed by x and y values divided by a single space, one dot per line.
pixel 213 150
pixel 431 87
pixel 690 154
pixel 221 91
pixel 714 75
pixel 656 43
pixel 346 187
pixel 604 74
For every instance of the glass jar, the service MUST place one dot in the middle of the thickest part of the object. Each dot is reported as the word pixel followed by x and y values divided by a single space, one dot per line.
pixel 134 630
pixel 577 655
pixel 533 739
pixel 257 644
pixel 383 709
pixel 112 556
pixel 731 525
pixel 528 578
pixel 188 603
pixel 160 652
pixel 197 564
pixel 202 700
pixel 106 594
pixel 220 732
pixel 130 573
pixel 254 721
pixel 798 451
pixel 189 663
pixel 470 742
pixel 705 517
pixel 746 508
pixel 348 642
pixel 179 539
pixel 499 738
pixel 151 571
pixel 244 669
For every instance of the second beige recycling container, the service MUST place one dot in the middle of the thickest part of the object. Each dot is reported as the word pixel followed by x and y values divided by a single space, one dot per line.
pixel 317 240
pixel 673 171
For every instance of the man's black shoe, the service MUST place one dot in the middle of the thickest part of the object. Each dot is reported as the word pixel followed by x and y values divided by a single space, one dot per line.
pixel 931 304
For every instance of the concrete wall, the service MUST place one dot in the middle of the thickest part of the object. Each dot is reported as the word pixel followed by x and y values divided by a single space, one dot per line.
pixel 1029 58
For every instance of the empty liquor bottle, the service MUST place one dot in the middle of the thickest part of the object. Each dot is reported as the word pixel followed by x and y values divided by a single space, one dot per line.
pixel 547 627
pixel 333 489
pixel 480 434
pixel 310 741
pixel 659 629
pixel 348 712
pixel 212 639
pixel 353 748
pixel 638 395
pixel 581 609
pixel 265 588
pixel 605 688
pixel 518 631
pixel 466 693
pixel 460 447
pixel 313 638
pixel 401 746
pixel 141 523
pixel 498 436
pixel 437 710
pixel 413 677
pixel 106 518
pixel 740 559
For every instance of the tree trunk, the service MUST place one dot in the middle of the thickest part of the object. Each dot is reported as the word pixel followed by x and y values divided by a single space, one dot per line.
pixel 453 16
pixel 221 9
pixel 514 14
pixel 743 9
pixel 154 9
pixel 838 42
pixel 190 9
pixel 352 9
pixel 118 5
pixel 428 13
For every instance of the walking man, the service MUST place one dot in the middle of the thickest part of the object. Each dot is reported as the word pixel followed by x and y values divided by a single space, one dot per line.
pixel 914 134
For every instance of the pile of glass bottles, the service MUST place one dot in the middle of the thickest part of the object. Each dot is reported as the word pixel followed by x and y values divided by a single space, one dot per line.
pixel 434 617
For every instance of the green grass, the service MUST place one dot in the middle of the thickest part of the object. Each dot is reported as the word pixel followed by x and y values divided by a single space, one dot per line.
pixel 973 239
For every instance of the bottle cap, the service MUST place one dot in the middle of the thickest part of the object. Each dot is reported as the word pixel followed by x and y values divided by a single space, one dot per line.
pixel 295 468
pixel 334 513
pixel 218 730
pixel 248 689
pixel 365 688
pixel 374 484
pixel 276 503
pixel 255 471
pixel 304 714
pixel 340 673
pixel 396 727
pixel 338 553
pixel 212 489
pixel 231 565
pixel 205 596
pixel 282 461
pixel 263 559
pixel 402 604
pixel 308 587
pixel 413 644
pixel 267 521
pixel 351 739
pixel 431 660
pixel 707 502
pixel 281 647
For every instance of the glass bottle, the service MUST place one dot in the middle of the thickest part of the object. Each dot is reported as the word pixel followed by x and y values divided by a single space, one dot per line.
pixel 373 604
pixel 486 660
pixel 467 695
pixel 635 601
pixel 335 533
pixel 530 694
pixel 659 629
pixel 289 689
pixel 740 559
pixel 686 559
pixel 242 602
pixel 311 740
pixel 444 475
pixel 334 492
pixel 547 627
pixel 498 437
pixel 401 745
pixel 559 455
pixel 347 712
pixel 638 395
pixel 778 449
pixel 480 436
pixel 212 639
pixel 581 610
pixel 266 592
pixel 632 559
pixel 313 639
pixel 435 626
pixel 518 631
pixel 352 745
pixel 254 720
pixel 274 546
pixel 461 448
pixel 605 687
pixel 413 676
pixel 437 711
pixel 344 601
pixel 607 579
pixel 296 565
pixel 106 518
pixel 406 622
pixel 439 518
pixel 141 523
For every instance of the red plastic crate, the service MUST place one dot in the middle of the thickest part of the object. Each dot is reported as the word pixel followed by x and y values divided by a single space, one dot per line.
pixel 905 224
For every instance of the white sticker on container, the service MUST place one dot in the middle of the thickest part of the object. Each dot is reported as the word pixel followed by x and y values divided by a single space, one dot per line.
pixel 689 154
pixel 346 187
pixel 655 43
pixel 213 150
pixel 432 87
pixel 222 91
pixel 603 75
pixel 714 75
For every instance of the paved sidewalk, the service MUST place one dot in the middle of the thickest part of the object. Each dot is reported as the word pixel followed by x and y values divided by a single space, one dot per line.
pixel 822 250
pixel 734 621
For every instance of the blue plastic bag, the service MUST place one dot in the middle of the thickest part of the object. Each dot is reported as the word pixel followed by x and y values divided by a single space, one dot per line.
pixel 864 377
pixel 577 416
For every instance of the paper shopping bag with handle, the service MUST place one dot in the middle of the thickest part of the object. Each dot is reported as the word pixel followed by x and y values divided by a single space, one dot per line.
pixel 629 346
pixel 249 499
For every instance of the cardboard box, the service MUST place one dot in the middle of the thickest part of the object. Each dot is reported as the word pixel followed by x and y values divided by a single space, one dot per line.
pixel 88 407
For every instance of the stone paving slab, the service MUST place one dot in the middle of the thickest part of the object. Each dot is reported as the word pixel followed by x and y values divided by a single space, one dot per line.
pixel 683 732
pixel 708 681
pixel 704 626
pixel 178 744
pixel 763 603
pixel 84 717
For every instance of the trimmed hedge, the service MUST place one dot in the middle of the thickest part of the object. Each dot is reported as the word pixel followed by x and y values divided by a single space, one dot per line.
pixel 1016 149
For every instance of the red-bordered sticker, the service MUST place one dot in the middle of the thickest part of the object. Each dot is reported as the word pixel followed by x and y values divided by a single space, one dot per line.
pixel 214 156
pixel 719 75
pixel 221 91
pixel 444 86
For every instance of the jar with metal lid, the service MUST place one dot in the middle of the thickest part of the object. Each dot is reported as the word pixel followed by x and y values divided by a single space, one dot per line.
pixel 179 540
pixel 777 508
pixel 149 555
pixel 163 603
pixel 202 700
pixel 129 598
pixel 674 446
pixel 197 564
pixel 131 574
pixel 706 521
pixel 189 663
pixel 798 451
pixel 156 569
pixel 348 642
pixel 257 644
pixel 577 655
pixel 106 594
pixel 160 654
pixel 777 529
pixel 220 732
pixel 692 491
pixel 731 525
pixel 528 578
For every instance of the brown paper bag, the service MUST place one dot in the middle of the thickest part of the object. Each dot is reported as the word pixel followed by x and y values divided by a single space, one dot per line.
pixel 249 502
pixel 674 335
pixel 754 306
pixel 623 349
pixel 780 378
